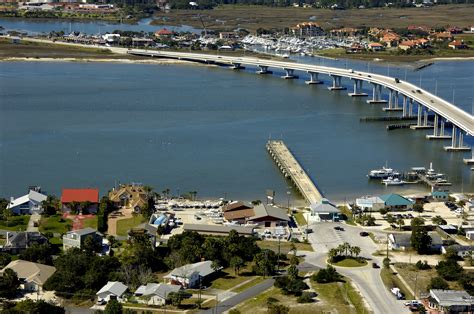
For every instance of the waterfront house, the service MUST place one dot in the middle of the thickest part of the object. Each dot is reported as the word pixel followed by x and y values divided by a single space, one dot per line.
pixel 32 276
pixel 113 290
pixel 85 200
pixel 17 242
pixel 390 39
pixel 76 238
pixel 440 195
pixel 191 275
pixel 163 33
pixel 324 211
pixel 449 301
pixel 27 204
pixel 461 250
pixel 457 44
pixel 394 202
pixel 376 47
pixel 155 294
pixel 129 196
pixel 269 216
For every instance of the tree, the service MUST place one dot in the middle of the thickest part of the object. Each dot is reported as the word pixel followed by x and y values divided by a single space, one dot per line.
pixel 91 245
pixel 113 307
pixel 292 272
pixel 417 222
pixel 40 306
pixel 422 265
pixel 278 309
pixel 256 202
pixel 438 283
pixel 175 298
pixel 420 240
pixel 237 263
pixel 265 262
pixel 305 297
pixel 356 250
pixel 327 275
pixel 9 284
pixel 450 270
pixel 384 211
pixel 418 207
pixel 390 219
pixel 386 262
pixel 38 253
pixel 438 220
pixel 400 223
pixel 5 259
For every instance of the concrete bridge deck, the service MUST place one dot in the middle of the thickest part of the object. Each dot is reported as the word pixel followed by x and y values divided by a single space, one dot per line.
pixel 463 120
pixel 291 168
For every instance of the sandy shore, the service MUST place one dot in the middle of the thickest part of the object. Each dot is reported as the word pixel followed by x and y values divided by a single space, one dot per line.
pixel 108 60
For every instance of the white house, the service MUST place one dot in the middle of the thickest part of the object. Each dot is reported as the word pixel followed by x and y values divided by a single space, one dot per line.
pixel 470 234
pixel 155 294
pixel 461 250
pixel 113 290
pixel 324 211
pixel 32 275
pixel 189 276
pixel 27 204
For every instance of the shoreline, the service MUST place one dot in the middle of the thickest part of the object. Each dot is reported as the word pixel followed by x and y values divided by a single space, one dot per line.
pixel 104 60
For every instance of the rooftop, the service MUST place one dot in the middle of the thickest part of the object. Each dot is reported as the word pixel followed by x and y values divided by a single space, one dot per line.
pixel 113 287
pixel 31 272
pixel 80 195
pixel 262 211
pixel 202 268
pixel 395 200
pixel 447 298
pixel 242 230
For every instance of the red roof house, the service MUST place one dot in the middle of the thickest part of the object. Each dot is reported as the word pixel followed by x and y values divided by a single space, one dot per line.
pixel 84 199
pixel 163 33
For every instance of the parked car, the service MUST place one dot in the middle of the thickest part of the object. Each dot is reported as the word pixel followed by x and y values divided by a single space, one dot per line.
pixel 338 228
pixel 397 80
pixel 364 234
pixel 374 265
pixel 413 303
pixel 101 302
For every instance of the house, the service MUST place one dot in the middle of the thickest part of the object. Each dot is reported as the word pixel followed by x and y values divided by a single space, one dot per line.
pixel 76 238
pixel 191 275
pixel 307 29
pixel 461 250
pixel 219 230
pixel 395 202
pixel 355 48
pixel 17 242
pixel 450 301
pixel 129 196
pixel 402 241
pixel 470 234
pixel 269 216
pixel 142 42
pixel 27 204
pixel 345 32
pixel 227 35
pixel 32 275
pixel 85 200
pixel 324 211
pixel 390 39
pixel 155 294
pixel 376 47
pixel 163 33
pixel 443 36
pixel 370 203
pixel 439 195
pixel 111 38
pixel 113 290
pixel 457 44
pixel 238 212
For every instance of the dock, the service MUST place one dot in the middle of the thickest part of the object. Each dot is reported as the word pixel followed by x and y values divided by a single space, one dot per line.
pixel 291 169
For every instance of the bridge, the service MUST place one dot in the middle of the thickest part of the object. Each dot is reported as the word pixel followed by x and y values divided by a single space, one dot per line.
pixel 410 95
pixel 291 169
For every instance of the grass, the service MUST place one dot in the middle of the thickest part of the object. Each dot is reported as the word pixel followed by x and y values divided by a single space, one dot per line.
pixel 55 224
pixel 90 223
pixel 351 262
pixel 250 17
pixel 126 224
pixel 285 247
pixel 228 279
pixel 342 294
pixel 255 281
pixel 15 223
pixel 300 220
pixel 390 281
pixel 347 212
pixel 56 241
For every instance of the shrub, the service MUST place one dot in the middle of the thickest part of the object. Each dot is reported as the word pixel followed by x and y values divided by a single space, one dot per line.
pixel 305 297
pixel 438 283
pixel 327 275
pixel 386 262
pixel 422 265
pixel 450 270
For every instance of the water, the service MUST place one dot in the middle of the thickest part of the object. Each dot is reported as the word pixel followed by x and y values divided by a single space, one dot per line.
pixel 38 26
pixel 197 128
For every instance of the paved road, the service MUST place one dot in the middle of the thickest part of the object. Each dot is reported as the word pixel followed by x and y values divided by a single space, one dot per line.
pixel 31 223
pixel 241 297
pixel 366 278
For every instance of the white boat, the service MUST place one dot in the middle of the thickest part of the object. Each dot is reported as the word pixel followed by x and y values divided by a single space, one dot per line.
pixel 393 181
pixel 381 173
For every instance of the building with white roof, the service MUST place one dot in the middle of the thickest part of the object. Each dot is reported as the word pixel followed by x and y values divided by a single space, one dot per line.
pixel 113 290
pixel 450 301
pixel 190 275
pixel 324 211
pixel 32 275
pixel 27 204
pixel 154 293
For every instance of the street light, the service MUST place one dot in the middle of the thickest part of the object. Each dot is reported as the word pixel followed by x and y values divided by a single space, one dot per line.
pixel 288 193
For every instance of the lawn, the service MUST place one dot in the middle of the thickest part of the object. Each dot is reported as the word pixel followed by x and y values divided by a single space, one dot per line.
pixel 15 223
pixel 342 295
pixel 124 225
pixel 90 223
pixel 300 219
pixel 285 246
pixel 255 281
pixel 350 262
pixel 229 280
pixel 55 224
pixel 390 281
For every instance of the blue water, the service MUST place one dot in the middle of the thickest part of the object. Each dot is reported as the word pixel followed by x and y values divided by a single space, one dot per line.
pixel 198 128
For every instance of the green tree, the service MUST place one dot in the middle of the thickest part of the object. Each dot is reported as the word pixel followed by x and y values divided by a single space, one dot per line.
pixel 305 297
pixel 39 253
pixel 400 223
pixel 9 284
pixel 327 275
pixel 292 272
pixel 386 262
pixel 39 307
pixel 278 309
pixel 450 270
pixel 418 207
pixel 237 263
pixel 420 240
pixel 176 298
pixel 5 259
pixel 438 283
pixel 265 262
pixel 113 307
pixel 91 245
pixel 438 220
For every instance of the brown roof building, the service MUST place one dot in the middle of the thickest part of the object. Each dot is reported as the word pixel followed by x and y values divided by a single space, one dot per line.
pixel 129 196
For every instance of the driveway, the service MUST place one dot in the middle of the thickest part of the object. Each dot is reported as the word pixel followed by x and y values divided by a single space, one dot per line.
pixel 31 223
pixel 366 278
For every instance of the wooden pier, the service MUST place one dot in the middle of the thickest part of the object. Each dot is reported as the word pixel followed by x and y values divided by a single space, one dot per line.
pixel 291 169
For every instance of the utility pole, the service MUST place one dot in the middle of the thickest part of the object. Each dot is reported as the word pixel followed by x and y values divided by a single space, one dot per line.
pixel 387 245
pixel 278 260
pixel 414 292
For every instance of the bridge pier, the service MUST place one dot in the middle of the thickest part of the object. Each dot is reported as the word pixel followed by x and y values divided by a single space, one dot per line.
pixel 457 142
pixel 313 78
pixel 392 102
pixel 438 133
pixel 421 124
pixel 336 83
pixel 263 70
pixel 357 89
pixel 237 66
pixel 469 161
pixel 376 95
pixel 289 74
pixel 410 107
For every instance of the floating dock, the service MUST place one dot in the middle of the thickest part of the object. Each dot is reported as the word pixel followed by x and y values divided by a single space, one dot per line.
pixel 291 169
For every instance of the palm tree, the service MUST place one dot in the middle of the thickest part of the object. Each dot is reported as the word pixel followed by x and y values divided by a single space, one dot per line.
pixel 400 223
pixel 332 254
pixel 345 248
pixel 356 250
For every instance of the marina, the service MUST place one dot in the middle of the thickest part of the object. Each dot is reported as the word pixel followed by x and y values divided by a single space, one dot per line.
pixel 291 169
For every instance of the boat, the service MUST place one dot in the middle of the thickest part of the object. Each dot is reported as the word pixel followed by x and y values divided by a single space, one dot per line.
pixel 393 181
pixel 381 173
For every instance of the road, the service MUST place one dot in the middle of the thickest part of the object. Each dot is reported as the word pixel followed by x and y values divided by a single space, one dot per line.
pixel 241 297
pixel 367 279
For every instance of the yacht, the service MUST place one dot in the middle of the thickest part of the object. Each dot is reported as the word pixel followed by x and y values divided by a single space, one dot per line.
pixel 381 173
pixel 393 181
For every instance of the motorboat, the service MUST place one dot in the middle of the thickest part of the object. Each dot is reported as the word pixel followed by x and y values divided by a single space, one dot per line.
pixel 382 173
pixel 393 181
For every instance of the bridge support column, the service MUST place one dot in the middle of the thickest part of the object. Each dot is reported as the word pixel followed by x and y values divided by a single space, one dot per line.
pixel 404 107
pixel 263 69
pixel 392 102
pixel 336 83
pixel 438 133
pixel 457 142
pixel 410 107
pixel 313 78
pixel 469 161
pixel 289 74
pixel 376 95
pixel 358 89
pixel 421 123
pixel 237 66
